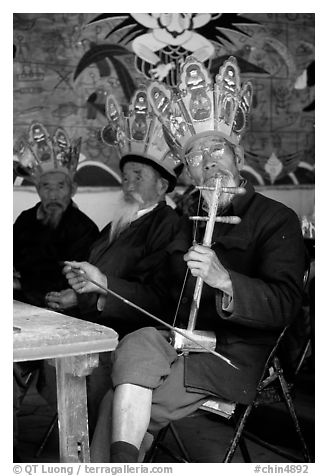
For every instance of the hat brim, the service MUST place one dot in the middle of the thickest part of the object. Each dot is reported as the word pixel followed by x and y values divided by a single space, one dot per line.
pixel 172 180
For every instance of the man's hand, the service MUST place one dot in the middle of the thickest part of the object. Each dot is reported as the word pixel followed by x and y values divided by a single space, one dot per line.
pixel 202 261
pixel 61 300
pixel 78 273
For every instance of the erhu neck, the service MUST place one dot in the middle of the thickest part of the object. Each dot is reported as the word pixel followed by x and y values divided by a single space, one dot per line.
pixel 211 219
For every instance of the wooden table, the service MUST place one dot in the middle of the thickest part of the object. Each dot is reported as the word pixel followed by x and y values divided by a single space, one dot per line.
pixel 74 345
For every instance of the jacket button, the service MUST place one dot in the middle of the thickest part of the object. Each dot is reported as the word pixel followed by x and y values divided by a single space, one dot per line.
pixel 184 300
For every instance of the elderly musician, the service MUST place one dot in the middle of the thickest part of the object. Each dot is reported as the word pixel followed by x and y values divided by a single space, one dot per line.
pixel 130 255
pixel 251 267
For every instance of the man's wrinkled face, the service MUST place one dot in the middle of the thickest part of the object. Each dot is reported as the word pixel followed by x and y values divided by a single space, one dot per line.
pixel 211 158
pixel 55 191
pixel 141 183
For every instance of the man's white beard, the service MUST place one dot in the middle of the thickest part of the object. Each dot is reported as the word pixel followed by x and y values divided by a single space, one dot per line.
pixel 227 180
pixel 125 212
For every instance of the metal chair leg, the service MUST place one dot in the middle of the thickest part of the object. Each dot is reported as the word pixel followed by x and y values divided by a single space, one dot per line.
pixel 271 447
pixel 180 444
pixel 158 444
pixel 290 406
pixel 47 435
pixel 302 357
pixel 244 450
pixel 237 435
pixel 150 456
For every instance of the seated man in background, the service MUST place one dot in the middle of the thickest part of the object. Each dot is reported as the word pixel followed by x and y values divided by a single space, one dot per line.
pixel 252 274
pixel 45 235
pixel 54 229
pixel 130 255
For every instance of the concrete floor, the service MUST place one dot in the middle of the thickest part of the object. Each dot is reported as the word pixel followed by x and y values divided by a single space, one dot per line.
pixel 204 435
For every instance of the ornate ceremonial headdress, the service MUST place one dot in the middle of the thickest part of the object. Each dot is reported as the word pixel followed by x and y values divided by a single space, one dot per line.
pixel 38 153
pixel 138 136
pixel 200 108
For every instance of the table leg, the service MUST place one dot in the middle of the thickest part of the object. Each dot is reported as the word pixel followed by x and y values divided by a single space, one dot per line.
pixel 72 407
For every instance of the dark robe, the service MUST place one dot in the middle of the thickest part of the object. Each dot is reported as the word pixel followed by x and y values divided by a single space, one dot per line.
pixel 135 266
pixel 39 250
pixel 265 258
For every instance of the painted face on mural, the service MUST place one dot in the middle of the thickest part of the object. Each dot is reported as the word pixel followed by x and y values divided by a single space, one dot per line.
pixel 174 23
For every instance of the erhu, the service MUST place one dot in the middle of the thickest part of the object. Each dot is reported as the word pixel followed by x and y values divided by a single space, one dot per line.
pixel 189 340
pixel 201 340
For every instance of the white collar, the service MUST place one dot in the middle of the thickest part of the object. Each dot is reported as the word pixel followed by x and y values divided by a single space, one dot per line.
pixel 140 213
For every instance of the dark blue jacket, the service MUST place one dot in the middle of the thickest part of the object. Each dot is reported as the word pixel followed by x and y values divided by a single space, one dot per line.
pixel 136 268
pixel 265 258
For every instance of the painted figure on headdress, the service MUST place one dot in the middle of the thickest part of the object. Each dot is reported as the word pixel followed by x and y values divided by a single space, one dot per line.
pixel 37 153
pixel 140 109
pixel 200 105
pixel 112 109
pixel 140 132
pixel 39 135
pixel 161 101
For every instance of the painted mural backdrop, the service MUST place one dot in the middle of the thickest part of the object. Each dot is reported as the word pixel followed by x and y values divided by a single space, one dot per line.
pixel 65 64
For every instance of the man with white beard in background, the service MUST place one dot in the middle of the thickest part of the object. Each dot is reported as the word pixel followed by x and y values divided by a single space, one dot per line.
pixel 130 255
pixel 252 274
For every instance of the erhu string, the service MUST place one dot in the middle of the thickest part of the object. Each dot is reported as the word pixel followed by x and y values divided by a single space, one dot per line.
pixel 195 229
